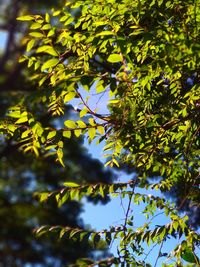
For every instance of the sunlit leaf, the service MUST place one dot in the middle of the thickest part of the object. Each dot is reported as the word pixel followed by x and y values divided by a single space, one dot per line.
pixel 30 45
pixel 26 18
pixel 70 124
pixel 71 184
pixel 50 63
pixel 114 58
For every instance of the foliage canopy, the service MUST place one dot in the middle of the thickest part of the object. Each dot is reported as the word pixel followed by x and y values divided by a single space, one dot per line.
pixel 22 174
pixel 145 54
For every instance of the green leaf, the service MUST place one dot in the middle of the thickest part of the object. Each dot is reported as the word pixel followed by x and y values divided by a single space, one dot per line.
pixel 41 230
pixel 101 129
pixel 91 133
pixel 44 196
pixel 70 124
pixel 36 34
pixel 35 150
pixel 47 17
pixel 81 124
pixel 189 256
pixel 115 162
pixel 77 132
pixel 47 49
pixel 42 81
pixel 67 134
pixel 99 86
pixel 92 122
pixel 56 13
pixel 74 193
pixel 26 133
pixel 69 96
pixel 101 191
pixel 60 156
pixel 68 21
pixel 51 33
pixel 46 27
pixel 15 114
pixel 95 238
pixel 51 134
pixel 22 120
pixel 26 18
pixel 83 112
pixel 71 184
pixel 30 45
pixel 114 58
pixel 103 33
pixel 50 63
pixel 35 26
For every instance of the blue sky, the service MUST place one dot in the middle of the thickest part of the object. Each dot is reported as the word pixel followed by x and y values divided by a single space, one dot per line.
pixel 3 38
pixel 113 214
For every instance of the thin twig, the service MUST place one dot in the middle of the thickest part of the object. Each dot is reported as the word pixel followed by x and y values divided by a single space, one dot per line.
pixel 128 209
pixel 150 251
pixel 159 253
pixel 127 215
pixel 89 109
pixel 156 215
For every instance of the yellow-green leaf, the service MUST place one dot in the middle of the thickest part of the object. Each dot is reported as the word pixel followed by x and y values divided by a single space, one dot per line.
pixel 77 132
pixel 47 18
pixel 103 33
pixel 15 114
pixel 70 20
pixel 81 124
pixel 67 134
pixel 35 26
pixel 22 120
pixel 26 18
pixel 25 133
pixel 30 45
pixel 47 49
pixel 101 130
pixel 91 133
pixel 36 34
pixel 51 134
pixel 50 63
pixel 92 122
pixel 70 124
pixel 51 32
pixel 113 58
pixel 69 96
pixel 56 13
pixel 115 162
pixel 83 112
pixel 60 156
pixel 71 184
pixel 35 150
pixel 99 87
pixel 46 27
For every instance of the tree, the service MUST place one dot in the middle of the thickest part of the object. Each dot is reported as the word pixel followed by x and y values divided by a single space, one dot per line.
pixel 22 174
pixel 145 53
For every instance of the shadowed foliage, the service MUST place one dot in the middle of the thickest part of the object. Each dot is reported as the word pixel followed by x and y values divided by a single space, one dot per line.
pixel 21 175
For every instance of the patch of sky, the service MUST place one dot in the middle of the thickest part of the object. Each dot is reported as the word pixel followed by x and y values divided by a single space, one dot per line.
pixel 113 214
pixel 3 40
